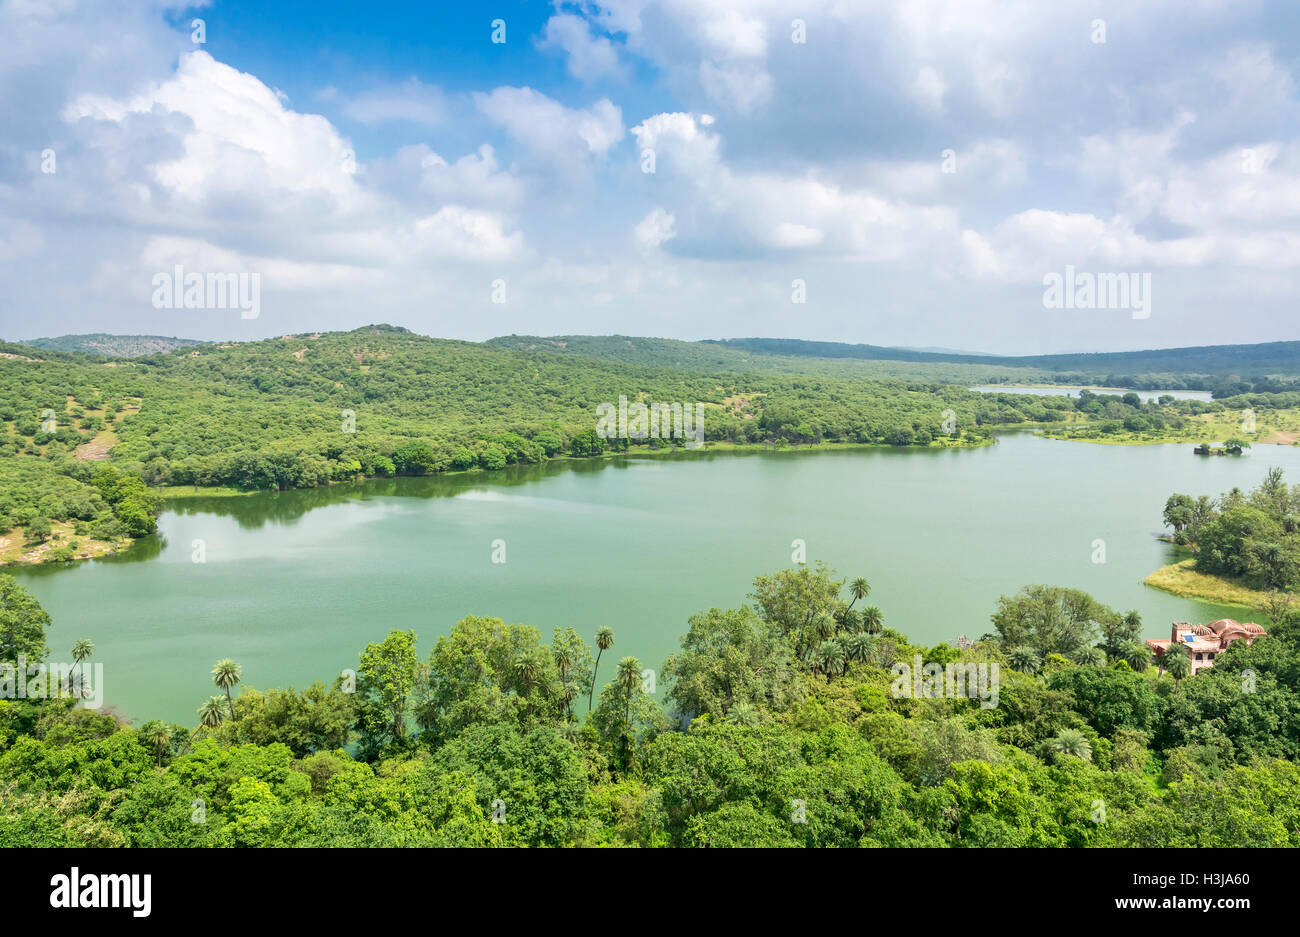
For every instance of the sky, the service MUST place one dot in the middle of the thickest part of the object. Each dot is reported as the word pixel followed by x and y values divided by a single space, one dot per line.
pixel 908 173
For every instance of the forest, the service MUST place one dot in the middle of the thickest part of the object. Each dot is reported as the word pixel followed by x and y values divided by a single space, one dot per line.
pixel 778 723
pixel 1253 537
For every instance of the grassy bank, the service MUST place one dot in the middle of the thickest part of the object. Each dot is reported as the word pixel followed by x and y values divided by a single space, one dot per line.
pixel 1275 427
pixel 1183 580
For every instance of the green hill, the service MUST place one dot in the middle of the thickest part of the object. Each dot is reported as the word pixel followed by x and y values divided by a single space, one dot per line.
pixel 115 346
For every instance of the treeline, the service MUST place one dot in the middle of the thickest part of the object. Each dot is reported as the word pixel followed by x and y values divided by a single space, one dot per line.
pixel 1252 536
pixel 783 724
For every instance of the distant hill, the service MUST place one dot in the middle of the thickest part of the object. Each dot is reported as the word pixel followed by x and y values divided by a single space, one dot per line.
pixel 116 346
pixel 1268 358
pixel 726 358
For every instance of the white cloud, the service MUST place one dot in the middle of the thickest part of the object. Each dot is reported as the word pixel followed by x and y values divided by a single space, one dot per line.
pixel 590 57
pixel 656 228
pixel 550 129
pixel 411 101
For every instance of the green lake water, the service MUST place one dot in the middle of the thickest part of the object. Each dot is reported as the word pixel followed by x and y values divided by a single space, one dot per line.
pixel 295 584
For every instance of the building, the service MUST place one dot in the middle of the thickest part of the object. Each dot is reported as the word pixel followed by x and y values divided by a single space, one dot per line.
pixel 1206 642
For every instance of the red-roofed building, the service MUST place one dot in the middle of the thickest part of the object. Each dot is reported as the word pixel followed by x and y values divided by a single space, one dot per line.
pixel 1205 642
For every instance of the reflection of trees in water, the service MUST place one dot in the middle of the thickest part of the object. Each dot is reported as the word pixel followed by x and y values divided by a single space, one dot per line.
pixel 254 510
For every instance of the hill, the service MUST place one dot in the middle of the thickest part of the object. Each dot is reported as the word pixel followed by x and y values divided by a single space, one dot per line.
pixel 113 346
pixel 1268 358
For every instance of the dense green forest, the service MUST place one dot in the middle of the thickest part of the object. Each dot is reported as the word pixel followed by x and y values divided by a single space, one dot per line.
pixel 308 410
pixel 1250 536
pixel 784 722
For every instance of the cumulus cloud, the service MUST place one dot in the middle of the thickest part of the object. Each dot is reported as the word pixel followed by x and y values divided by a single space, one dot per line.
pixel 551 130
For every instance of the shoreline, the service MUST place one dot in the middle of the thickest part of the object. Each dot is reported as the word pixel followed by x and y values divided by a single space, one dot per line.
pixel 1182 580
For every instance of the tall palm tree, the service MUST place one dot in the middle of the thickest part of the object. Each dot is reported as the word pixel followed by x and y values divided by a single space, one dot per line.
pixel 225 674
pixel 1072 742
pixel 80 652
pixel 859 589
pixel 563 657
pixel 156 734
pixel 873 619
pixel 604 641
pixel 628 677
pixel 830 658
pixel 1024 658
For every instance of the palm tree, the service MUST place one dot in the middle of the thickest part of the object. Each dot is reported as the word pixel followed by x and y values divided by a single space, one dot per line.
pixel 156 734
pixel 529 667
pixel 628 677
pixel 563 658
pixel 80 651
pixel 1137 654
pixel 830 657
pixel 225 674
pixel 851 621
pixel 857 646
pixel 1089 656
pixel 604 641
pixel 211 715
pixel 859 589
pixel 873 619
pixel 1072 742
pixel 1178 661
pixel 1025 659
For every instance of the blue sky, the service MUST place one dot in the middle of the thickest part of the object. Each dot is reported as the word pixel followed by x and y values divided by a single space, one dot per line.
pixel 918 167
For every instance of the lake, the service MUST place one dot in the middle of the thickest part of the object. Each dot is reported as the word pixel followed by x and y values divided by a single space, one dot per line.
pixel 1063 390
pixel 294 584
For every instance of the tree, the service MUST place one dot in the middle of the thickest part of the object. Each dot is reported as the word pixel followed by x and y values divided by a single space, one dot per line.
pixel 628 679
pixel 857 646
pixel 225 674
pixel 1050 619
pixel 1276 605
pixel 1120 630
pixel 604 641
pixel 415 458
pixel 211 714
pixel 830 658
pixel 156 734
pixel 1178 661
pixel 1072 742
pixel 1024 659
pixel 572 658
pixel 1136 654
pixel 1089 656
pixel 859 588
pixel 1180 511
pixel 729 659
pixel 873 620
pixel 387 675
pixel 22 623
pixel 82 650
